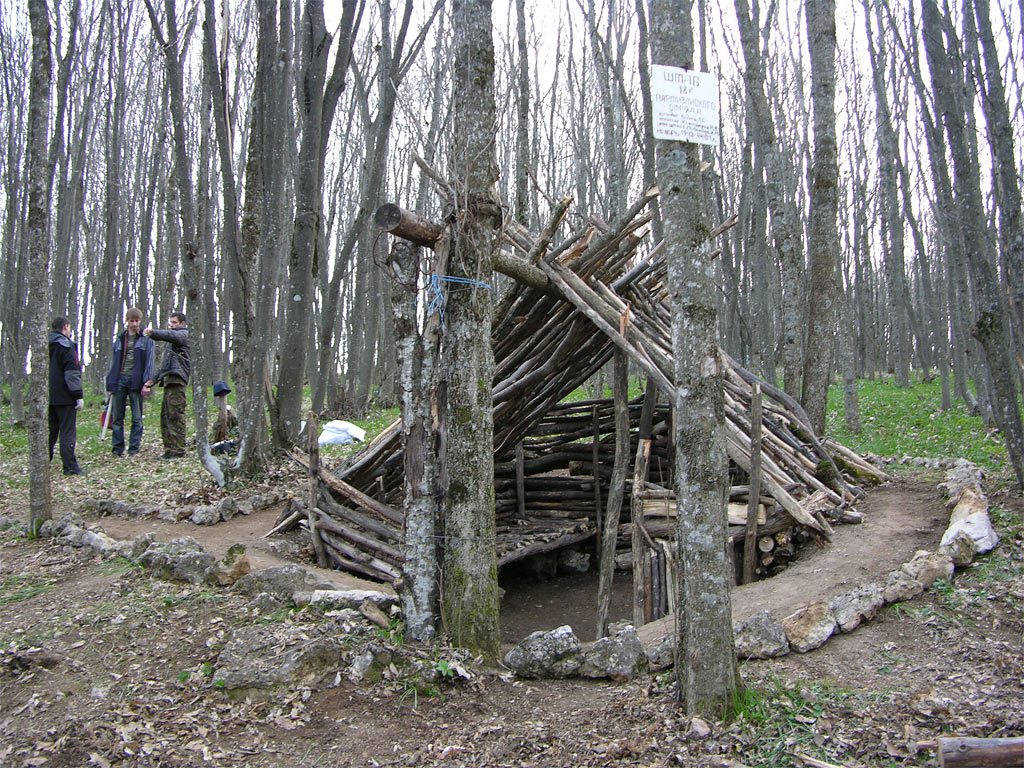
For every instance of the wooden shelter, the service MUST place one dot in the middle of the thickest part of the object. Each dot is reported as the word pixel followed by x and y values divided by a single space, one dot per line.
pixel 570 306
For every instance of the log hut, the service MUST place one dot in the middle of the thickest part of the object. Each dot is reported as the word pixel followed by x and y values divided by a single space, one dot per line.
pixel 569 306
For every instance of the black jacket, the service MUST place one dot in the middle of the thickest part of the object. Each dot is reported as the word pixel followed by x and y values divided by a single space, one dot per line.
pixel 65 371
pixel 177 360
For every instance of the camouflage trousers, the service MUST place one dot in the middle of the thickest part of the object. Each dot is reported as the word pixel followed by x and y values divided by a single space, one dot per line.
pixel 172 420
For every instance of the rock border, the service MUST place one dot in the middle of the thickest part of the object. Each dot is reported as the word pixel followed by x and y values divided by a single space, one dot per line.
pixel 969 533
pixel 558 653
pixel 202 514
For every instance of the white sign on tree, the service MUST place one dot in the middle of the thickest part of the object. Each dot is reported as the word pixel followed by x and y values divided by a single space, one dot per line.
pixel 684 105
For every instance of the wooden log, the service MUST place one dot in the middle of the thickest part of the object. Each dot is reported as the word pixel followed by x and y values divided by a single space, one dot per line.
pixel 537 547
pixel 313 434
pixel 754 492
pixel 964 752
pixel 334 509
pixel 287 524
pixel 385 571
pixel 347 491
pixel 407 225
pixel 520 482
pixel 640 592
pixel 345 564
pixel 360 540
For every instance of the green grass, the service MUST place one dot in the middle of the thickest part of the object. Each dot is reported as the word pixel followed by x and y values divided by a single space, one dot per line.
pixel 910 422
pixel 24 586
pixel 785 719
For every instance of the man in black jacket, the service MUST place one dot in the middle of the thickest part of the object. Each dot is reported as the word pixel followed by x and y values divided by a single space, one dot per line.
pixel 66 395
pixel 174 372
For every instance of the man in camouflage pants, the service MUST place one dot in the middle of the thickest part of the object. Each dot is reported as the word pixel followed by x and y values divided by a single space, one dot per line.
pixel 174 372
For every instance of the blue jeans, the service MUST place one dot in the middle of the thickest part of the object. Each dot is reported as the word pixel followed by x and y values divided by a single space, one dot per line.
pixel 117 407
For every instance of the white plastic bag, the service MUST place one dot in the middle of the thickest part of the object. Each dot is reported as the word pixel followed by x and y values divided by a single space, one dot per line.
pixel 340 433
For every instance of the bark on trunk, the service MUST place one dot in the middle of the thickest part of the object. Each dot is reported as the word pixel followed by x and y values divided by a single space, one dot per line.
pixel 707 671
pixel 470 583
pixel 38 230
pixel 823 245
pixel 417 359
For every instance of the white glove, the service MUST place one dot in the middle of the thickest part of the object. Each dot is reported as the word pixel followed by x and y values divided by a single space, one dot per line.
pixel 79 404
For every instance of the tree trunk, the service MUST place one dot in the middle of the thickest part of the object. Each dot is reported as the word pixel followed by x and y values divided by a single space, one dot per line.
pixel 304 252
pixel 990 323
pixel 785 221
pixel 194 287
pixel 38 231
pixel 706 668
pixel 417 359
pixel 469 592
pixel 823 245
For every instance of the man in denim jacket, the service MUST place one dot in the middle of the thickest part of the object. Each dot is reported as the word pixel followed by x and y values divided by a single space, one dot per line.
pixel 130 369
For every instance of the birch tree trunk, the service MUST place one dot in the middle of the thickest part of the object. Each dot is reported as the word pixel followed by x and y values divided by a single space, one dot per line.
pixel 823 242
pixel 417 360
pixel 469 590
pixel 38 231
pixel 706 660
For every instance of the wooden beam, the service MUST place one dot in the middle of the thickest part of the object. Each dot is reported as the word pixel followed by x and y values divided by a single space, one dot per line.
pixel 407 225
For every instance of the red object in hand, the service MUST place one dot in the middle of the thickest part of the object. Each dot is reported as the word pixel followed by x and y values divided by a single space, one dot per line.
pixel 146 391
pixel 103 417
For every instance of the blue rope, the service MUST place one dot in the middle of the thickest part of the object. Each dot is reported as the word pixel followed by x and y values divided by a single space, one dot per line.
pixel 437 299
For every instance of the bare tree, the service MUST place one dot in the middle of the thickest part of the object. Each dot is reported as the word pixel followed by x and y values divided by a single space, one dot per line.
pixel 991 319
pixel 706 661
pixel 785 221
pixel 469 588
pixel 823 241
pixel 173 49
pixel 38 230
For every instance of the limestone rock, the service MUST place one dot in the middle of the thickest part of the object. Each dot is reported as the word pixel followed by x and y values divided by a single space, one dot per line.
pixel 929 567
pixel 345 598
pixel 228 508
pixel 760 637
pixel 809 627
pixel 967 537
pixel 662 655
pixel 573 561
pixel 619 656
pixel 231 568
pixel 282 582
pixel 859 604
pixel 173 514
pixel 899 586
pixel 206 514
pixel 182 559
pixel 546 654
pixel 265 656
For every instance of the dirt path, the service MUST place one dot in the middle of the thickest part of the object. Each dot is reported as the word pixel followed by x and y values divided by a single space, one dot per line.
pixel 249 530
pixel 899 519
pixel 102 664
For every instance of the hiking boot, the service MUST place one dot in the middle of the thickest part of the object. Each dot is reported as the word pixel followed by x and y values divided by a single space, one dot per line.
pixel 75 471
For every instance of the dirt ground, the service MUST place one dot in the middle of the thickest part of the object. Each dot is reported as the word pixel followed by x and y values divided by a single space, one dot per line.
pixel 102 665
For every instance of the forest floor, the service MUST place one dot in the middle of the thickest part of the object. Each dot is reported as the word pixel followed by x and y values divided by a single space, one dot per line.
pixel 101 664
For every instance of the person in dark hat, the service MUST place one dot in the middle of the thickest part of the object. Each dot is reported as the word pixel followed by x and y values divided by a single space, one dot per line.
pixel 66 395
pixel 175 369
pixel 226 421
